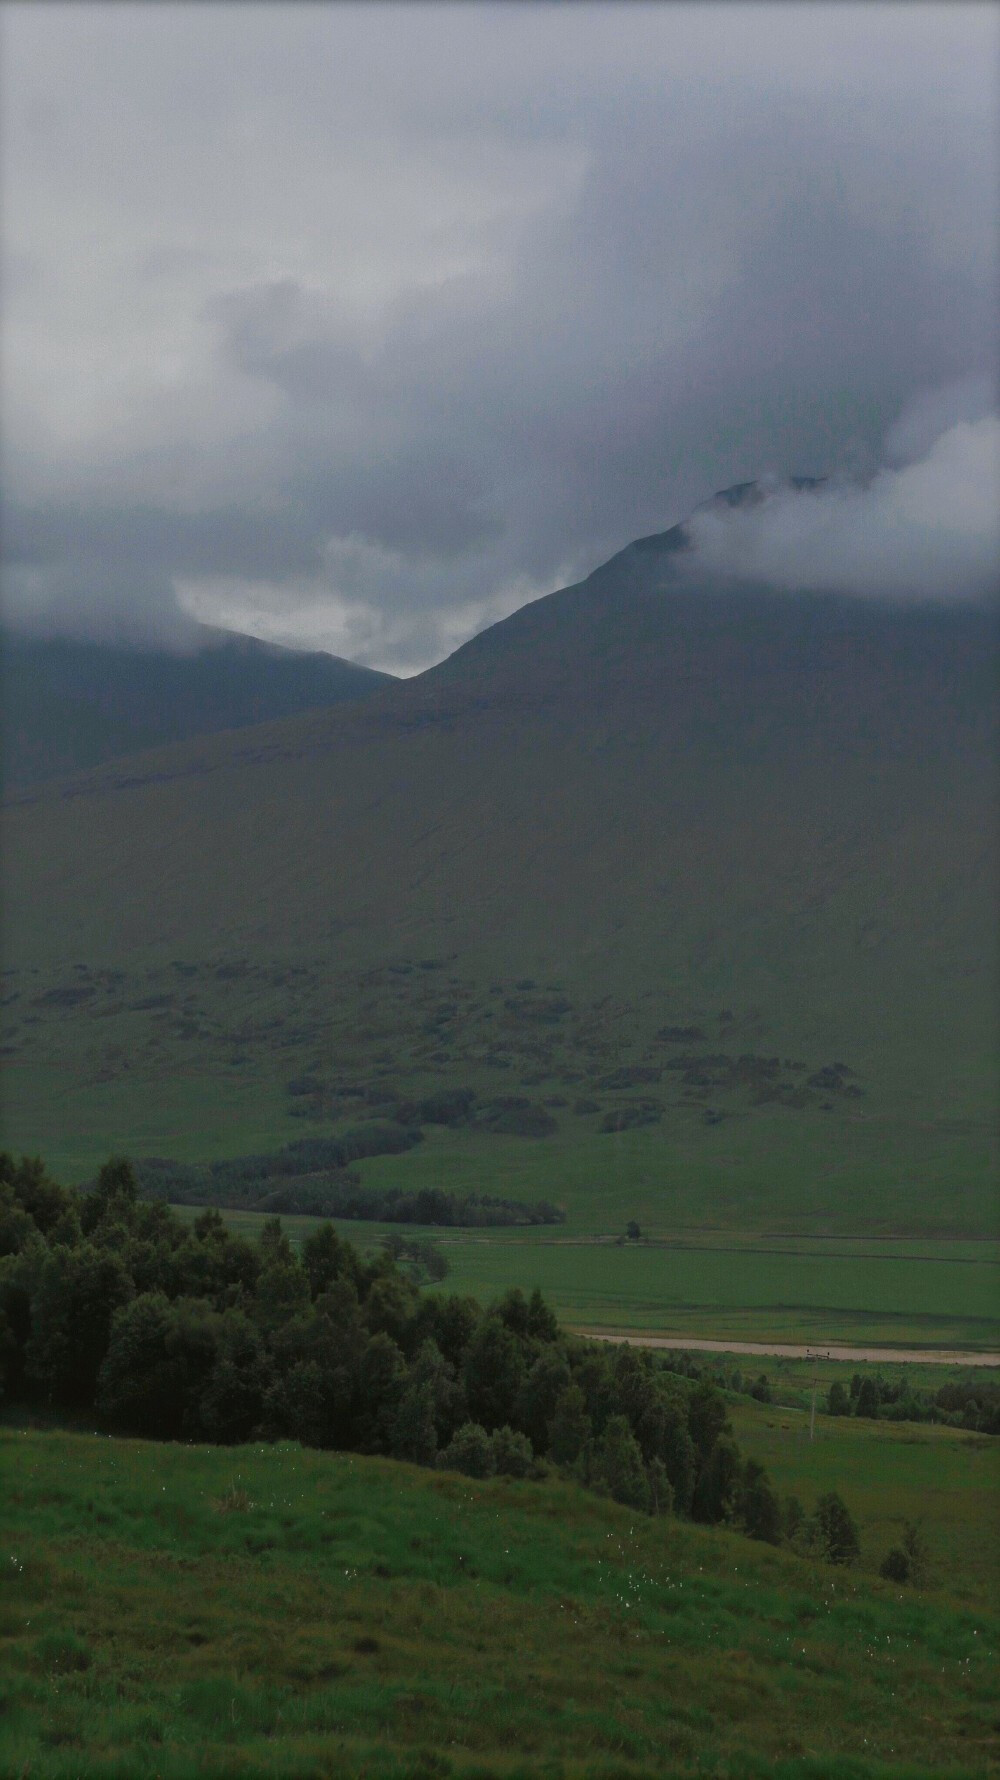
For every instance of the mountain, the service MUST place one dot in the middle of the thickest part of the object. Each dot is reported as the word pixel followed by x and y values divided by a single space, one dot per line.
pixel 712 868
pixel 68 705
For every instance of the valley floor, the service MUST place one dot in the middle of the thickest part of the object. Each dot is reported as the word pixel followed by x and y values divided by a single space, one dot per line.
pixel 733 1289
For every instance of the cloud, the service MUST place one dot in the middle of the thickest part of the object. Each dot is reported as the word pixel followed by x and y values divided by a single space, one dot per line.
pixel 357 324
pixel 927 529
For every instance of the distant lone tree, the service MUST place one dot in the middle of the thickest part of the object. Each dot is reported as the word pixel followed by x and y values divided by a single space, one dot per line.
pixel 869 1398
pixel 632 1230
pixel 834 1531
pixel 895 1566
pixel 837 1400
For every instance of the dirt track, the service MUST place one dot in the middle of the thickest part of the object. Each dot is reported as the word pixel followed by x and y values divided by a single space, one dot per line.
pixel 788 1351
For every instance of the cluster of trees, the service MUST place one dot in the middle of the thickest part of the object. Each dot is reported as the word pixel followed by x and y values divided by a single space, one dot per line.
pixel 112 1305
pixel 965 1403
pixel 311 1177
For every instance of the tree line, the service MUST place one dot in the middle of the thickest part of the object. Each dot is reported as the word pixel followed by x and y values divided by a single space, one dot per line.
pixel 113 1306
pixel 964 1403
pixel 311 1177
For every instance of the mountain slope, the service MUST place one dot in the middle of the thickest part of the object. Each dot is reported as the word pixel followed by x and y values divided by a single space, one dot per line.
pixel 765 822
pixel 68 705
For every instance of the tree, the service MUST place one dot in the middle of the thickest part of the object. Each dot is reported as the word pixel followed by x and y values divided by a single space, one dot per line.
pixel 470 1450
pixel 834 1531
pixel 794 1527
pixel 895 1566
pixel 758 1505
pixel 17 1226
pixel 538 1395
pixel 322 1258
pixel 512 1454
pixel 635 1392
pixel 868 1399
pixel 391 1307
pixel 73 1293
pixel 570 1426
pixel 632 1230
pixel 493 1369
pixel 282 1288
pixel 382 1382
pixel 232 1402
pixel 142 1383
pixel 447 1395
pixel 837 1400
pixel 661 1495
pixel 717 1489
pixel 113 1195
pixel 34 1191
pixel 619 1466
pixel 679 1457
pixel 297 1405
pixel 915 1547
pixel 542 1325
pixel 708 1418
pixel 414 1435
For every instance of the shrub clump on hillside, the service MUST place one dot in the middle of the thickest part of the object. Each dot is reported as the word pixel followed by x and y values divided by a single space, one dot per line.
pixel 183 1331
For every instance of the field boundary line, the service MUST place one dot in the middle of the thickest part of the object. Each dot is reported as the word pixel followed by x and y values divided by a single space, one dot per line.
pixel 787 1350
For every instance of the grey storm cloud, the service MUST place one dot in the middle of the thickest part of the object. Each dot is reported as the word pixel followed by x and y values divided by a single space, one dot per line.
pixel 360 326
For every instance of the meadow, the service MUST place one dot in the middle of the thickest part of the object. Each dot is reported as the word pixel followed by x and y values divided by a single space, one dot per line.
pixel 742 1288
pixel 661 1108
pixel 942 1480
pixel 186 1611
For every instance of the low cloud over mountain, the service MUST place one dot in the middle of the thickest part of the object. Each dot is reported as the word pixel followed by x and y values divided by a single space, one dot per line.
pixel 361 326
pixel 928 528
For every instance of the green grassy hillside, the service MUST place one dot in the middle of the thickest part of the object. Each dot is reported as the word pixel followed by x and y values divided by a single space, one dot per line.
pixel 179 1612
pixel 716 869
pixel 71 704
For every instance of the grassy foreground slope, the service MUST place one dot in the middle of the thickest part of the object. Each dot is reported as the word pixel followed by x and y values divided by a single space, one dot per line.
pixel 180 1611
pixel 720 866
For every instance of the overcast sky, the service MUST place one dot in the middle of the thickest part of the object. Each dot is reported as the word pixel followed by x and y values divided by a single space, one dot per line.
pixel 359 326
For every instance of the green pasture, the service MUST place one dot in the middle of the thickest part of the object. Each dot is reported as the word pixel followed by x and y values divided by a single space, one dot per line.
pixel 743 1292
pixel 947 1482
pixel 892 1294
pixel 178 1612
pixel 779 1171
pixel 196 1060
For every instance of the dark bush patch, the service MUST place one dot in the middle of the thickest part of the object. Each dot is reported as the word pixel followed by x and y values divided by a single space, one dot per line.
pixel 631 1076
pixel 628 1118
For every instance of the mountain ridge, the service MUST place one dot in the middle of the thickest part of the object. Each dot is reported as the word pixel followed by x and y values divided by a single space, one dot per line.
pixel 673 805
pixel 70 704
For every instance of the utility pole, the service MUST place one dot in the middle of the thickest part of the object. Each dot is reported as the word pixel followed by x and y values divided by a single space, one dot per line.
pixel 812 1418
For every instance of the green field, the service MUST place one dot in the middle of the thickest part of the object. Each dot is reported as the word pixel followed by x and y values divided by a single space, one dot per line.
pixel 945 1481
pixel 887 1294
pixel 178 1612
pixel 199 1066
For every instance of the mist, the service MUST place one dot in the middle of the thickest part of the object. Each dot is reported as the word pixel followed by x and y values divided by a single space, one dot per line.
pixel 924 529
